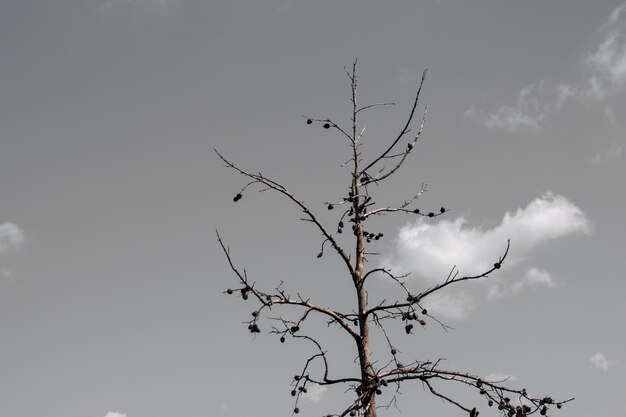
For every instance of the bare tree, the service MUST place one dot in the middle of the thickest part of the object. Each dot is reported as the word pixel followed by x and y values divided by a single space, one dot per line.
pixel 360 320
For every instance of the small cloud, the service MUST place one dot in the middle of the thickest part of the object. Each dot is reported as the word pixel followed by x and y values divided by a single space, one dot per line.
pixel 527 114
pixel 612 153
pixel 608 61
pixel 534 103
pixel 11 237
pixel 600 361
pixel 534 277
pixel 315 393
pixel 498 377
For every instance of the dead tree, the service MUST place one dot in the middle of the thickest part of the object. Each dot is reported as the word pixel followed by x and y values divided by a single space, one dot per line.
pixel 355 209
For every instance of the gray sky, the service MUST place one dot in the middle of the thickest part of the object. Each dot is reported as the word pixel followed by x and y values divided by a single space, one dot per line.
pixel 110 275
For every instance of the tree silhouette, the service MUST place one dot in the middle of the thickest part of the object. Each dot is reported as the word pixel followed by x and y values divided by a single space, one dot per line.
pixel 355 209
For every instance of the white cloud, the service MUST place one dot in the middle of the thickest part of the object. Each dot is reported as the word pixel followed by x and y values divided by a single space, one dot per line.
pixel 608 61
pixel 430 251
pixel 114 414
pixel 527 114
pixel 535 103
pixel 606 77
pixel 315 393
pixel 497 377
pixel 600 361
pixel 614 152
pixel 534 277
pixel 11 237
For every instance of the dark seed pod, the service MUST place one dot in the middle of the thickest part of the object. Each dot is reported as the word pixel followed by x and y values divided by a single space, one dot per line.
pixel 282 339
pixel 497 265
pixel 294 329
pixel 326 125
pixel 442 209
pixel 431 214
pixel 408 328
pixel 490 403
pixel 296 410
pixel 424 311
pixel 309 121
pixel 244 295
pixel 423 322
pixel 230 291
pixel 237 197
pixel 319 255
pixel 293 393
pixel 355 322
pixel 409 146
pixel 393 352
pixel 352 413
pixel 330 207
pixel 340 224
pixel 416 211
pixel 559 406
pixel 379 391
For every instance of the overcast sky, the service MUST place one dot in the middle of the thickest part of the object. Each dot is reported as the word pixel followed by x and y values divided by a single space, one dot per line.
pixel 111 278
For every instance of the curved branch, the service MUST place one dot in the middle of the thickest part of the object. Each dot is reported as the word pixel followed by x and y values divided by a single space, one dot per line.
pixel 413 299
pixel 270 300
pixel 404 130
pixel 281 189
